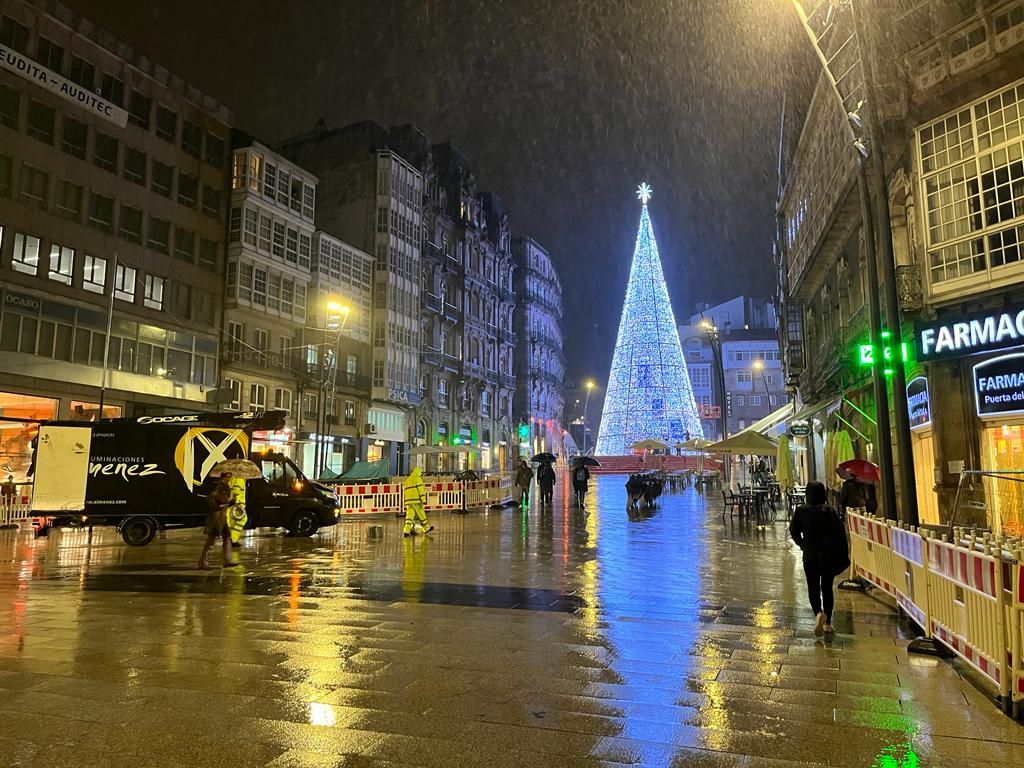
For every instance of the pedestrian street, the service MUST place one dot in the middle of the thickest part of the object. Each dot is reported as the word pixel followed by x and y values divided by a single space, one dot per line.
pixel 674 636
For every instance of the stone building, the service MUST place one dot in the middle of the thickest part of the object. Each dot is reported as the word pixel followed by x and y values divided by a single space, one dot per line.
pixel 539 360
pixel 113 197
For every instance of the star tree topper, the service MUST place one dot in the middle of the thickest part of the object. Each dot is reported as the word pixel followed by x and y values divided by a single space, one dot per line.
pixel 644 192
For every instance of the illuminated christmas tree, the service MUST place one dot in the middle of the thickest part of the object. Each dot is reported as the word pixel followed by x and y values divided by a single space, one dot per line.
pixel 649 393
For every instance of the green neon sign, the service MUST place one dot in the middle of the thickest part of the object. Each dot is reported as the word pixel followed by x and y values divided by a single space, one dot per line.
pixel 866 354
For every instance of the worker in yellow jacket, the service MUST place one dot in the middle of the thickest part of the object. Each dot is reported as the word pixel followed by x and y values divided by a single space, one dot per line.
pixel 236 514
pixel 415 496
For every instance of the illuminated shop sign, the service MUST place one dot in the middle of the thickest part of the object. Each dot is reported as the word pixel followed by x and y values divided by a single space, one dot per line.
pixel 980 332
pixel 999 386
pixel 919 403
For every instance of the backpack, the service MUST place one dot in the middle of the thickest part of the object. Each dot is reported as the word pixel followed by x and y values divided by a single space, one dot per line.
pixel 580 475
pixel 834 555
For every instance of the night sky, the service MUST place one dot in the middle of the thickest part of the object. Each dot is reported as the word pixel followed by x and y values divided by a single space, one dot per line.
pixel 562 107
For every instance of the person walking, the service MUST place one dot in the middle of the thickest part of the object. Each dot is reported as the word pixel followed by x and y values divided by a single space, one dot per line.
pixel 580 483
pixel 414 494
pixel 546 481
pixel 219 499
pixel 818 531
pixel 524 477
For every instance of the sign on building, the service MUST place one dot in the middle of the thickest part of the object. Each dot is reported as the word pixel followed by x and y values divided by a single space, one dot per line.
pixel 979 332
pixel 918 402
pixel 999 385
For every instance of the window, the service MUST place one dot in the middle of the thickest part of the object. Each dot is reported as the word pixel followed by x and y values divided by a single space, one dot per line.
pixel 69 200
pixel 250 226
pixel 310 403
pixel 192 138
pixel 284 185
pixel 305 250
pixel 83 73
pixel 62 264
pixel 308 199
pixel 112 89
pixel 283 400
pixel 239 168
pixel 296 195
pixel 50 55
pixel 755 399
pixel 259 287
pixel 13 34
pixel 139 108
pixel 75 136
pixel 270 181
pixel 162 178
pixel 772 400
pixel 264 234
pixel 159 235
pixel 740 400
pixel 166 123
pixel 236 393
pixel 235 225
pixel 34 185
pixel 135 166
pixel 278 247
pixel 130 224
pixel 41 119
pixel 211 201
pixel 291 251
pixel 257 397
pixel 350 413
pixel 154 297
pixel 94 276
pixel 274 292
pixel 255 171
pixel 124 283
pixel 101 212
pixel 214 150
pixel 261 344
pixel 208 254
pixel 442 392
pixel 185 244
pixel 287 296
pixel 104 153
pixel 25 258
pixel 245 282
pixel 188 190
pixel 744 377
pixel 10 106
pixel 6 173
pixel 236 332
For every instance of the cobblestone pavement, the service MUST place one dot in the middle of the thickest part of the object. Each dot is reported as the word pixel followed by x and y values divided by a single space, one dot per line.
pixel 504 639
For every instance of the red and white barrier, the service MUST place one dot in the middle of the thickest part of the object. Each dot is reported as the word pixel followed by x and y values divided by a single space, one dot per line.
pixel 443 496
pixel 369 498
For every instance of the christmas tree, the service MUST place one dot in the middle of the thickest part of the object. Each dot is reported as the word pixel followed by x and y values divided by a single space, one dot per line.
pixel 649 394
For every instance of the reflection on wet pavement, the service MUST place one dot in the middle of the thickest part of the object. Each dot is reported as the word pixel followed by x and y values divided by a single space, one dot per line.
pixel 505 638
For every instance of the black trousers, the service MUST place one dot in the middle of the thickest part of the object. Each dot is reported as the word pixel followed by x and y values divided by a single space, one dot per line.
pixel 819 590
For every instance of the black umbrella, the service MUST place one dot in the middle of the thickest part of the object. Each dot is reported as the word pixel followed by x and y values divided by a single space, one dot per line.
pixel 544 458
pixel 586 461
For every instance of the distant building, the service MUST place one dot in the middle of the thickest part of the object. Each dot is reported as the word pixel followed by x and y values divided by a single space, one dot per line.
pixel 114 194
pixel 371 196
pixel 744 330
pixel 539 360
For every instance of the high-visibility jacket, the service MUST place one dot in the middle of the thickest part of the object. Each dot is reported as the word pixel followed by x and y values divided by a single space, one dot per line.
pixel 413 490
pixel 236 514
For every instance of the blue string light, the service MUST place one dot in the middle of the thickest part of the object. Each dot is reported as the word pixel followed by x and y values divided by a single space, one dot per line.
pixel 649 393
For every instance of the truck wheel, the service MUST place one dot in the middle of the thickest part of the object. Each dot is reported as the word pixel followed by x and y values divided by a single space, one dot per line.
pixel 305 523
pixel 138 531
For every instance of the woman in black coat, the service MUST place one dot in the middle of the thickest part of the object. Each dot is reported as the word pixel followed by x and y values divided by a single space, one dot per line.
pixel 817 530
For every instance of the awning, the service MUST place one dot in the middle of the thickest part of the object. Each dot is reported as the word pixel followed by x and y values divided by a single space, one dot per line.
pixel 762 426
pixel 813 410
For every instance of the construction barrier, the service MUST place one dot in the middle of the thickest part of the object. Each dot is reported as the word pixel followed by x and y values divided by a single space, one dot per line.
pixel 492 492
pixel 444 495
pixel 14 512
pixel 371 498
pixel 967 593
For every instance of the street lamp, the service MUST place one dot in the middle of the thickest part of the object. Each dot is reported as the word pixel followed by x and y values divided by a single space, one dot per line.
pixel 336 315
pixel 716 352
pixel 758 365
pixel 586 401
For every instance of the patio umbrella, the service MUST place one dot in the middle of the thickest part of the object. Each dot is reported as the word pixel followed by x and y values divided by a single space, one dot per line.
pixel 649 445
pixel 842 452
pixel 424 450
pixel 744 444
pixel 238 467
pixel 784 470
pixel 695 444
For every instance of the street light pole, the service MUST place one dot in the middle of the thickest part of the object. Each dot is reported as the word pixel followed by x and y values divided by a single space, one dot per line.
pixel 586 402
pixel 716 354
pixel 759 366
pixel 328 360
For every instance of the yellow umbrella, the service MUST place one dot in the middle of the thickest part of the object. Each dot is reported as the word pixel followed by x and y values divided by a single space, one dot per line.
pixel 784 468
pixel 744 444
pixel 842 451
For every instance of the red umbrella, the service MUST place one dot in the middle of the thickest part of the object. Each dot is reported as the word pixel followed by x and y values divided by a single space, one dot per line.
pixel 863 470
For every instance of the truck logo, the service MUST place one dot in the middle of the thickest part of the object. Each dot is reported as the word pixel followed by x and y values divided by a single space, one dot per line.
pixel 124 471
pixel 167 419
pixel 201 448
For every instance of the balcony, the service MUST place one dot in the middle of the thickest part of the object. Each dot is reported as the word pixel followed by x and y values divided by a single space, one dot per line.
pixel 452 363
pixel 492 331
pixel 452 313
pixel 352 381
pixel 507 337
pixel 431 356
pixel 492 376
pixel 451 263
pixel 432 303
pixel 506 293
pixel 508 381
pixel 433 252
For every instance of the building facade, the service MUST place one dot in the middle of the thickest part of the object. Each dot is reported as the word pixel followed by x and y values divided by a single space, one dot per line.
pixel 372 197
pixel 950 99
pixel 539 361
pixel 113 197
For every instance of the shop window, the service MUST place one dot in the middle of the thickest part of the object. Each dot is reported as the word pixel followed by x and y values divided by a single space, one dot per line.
pixel 25 258
pixel 75 136
pixel 16 444
pixel 62 264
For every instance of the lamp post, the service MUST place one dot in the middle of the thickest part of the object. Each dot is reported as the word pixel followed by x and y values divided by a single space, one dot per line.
pixel 758 365
pixel 586 402
pixel 716 353
pixel 335 319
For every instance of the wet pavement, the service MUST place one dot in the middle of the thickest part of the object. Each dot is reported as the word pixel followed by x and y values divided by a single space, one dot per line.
pixel 559 638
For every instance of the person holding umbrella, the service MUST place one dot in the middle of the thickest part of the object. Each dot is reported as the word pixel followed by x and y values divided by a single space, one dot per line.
pixel 219 499
pixel 580 482
pixel 546 481
pixel 524 478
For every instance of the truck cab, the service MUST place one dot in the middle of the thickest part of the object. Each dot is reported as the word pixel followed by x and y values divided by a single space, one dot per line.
pixel 285 498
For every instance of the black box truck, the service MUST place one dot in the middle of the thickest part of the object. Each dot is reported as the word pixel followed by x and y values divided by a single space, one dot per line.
pixel 146 473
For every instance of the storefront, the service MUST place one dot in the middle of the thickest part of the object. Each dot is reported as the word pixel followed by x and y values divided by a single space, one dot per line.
pixel 923 448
